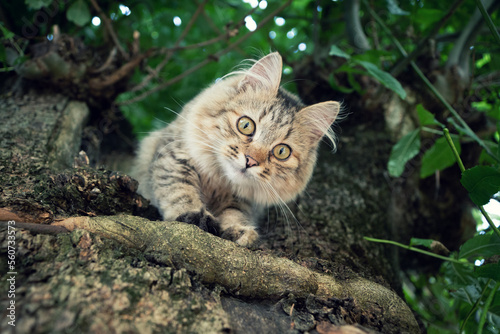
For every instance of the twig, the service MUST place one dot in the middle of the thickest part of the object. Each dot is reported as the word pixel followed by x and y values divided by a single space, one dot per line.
pixel 38 228
pixel 488 219
pixel 487 303
pixel 214 27
pixel 101 83
pixel 109 28
pixel 209 59
pixel 107 63
pixel 473 309
pixel 488 20
pixel 169 54
pixel 418 250
pixel 446 133
pixel 228 33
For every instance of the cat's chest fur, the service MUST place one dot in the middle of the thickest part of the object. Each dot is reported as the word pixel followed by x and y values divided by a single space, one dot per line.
pixel 214 188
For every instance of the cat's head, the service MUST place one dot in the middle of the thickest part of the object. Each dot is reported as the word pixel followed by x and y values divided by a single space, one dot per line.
pixel 258 136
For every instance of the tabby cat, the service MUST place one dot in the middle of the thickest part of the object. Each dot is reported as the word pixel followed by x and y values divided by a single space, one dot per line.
pixel 241 145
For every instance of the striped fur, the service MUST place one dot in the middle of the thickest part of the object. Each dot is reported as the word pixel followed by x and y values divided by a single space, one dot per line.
pixel 197 165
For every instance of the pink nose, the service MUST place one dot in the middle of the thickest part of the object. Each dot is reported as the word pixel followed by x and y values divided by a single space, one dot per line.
pixel 251 162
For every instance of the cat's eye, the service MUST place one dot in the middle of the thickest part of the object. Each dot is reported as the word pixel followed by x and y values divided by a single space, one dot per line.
pixel 246 126
pixel 282 151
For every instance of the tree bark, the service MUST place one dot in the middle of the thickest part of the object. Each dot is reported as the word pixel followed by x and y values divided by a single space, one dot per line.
pixel 132 274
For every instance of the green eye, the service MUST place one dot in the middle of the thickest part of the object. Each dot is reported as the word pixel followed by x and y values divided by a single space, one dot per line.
pixel 246 126
pixel 282 151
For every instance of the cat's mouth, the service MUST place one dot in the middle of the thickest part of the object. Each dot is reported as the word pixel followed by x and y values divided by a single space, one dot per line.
pixel 237 173
pixel 245 172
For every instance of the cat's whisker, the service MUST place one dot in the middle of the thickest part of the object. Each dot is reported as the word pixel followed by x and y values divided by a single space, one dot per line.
pixel 180 138
pixel 162 121
pixel 277 204
pixel 282 204
pixel 203 142
pixel 177 102
pixel 162 150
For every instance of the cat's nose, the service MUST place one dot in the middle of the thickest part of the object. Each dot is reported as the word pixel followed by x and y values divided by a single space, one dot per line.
pixel 251 162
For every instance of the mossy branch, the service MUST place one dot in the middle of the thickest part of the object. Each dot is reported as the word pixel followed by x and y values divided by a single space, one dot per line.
pixel 239 270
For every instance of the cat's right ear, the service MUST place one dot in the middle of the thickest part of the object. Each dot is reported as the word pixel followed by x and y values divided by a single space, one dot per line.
pixel 264 75
pixel 316 121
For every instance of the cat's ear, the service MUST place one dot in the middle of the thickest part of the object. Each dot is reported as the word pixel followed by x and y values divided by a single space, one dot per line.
pixel 264 75
pixel 317 119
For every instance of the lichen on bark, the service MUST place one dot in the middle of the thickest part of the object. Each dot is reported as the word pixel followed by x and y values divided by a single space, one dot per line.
pixel 84 283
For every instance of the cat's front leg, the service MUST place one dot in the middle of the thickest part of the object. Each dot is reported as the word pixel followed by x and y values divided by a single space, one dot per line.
pixel 176 192
pixel 203 219
pixel 239 226
pixel 181 202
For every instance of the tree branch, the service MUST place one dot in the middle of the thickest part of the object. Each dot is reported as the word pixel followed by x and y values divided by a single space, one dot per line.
pixel 97 84
pixel 208 60
pixel 354 29
pixel 459 55
pixel 241 271
pixel 109 28
pixel 169 54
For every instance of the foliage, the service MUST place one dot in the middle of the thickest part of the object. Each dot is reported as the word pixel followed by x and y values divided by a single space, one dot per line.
pixel 370 69
pixel 468 279
pixel 78 13
pixel 482 182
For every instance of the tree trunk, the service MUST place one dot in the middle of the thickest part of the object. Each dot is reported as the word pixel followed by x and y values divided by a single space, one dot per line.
pixel 136 275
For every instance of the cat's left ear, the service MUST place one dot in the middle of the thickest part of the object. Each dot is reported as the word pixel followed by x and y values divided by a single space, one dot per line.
pixel 317 119
pixel 264 75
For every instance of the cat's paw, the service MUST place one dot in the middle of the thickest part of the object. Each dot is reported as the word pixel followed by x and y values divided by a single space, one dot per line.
pixel 203 219
pixel 242 235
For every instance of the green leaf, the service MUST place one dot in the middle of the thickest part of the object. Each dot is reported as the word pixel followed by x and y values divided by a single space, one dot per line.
pixel 335 51
pixel 426 117
pixel 459 274
pixel 337 87
pixel 373 56
pixel 37 4
pixel 7 34
pixel 427 17
pixel 438 157
pixel 484 157
pixel 482 182
pixel 490 270
pixel 354 84
pixel 483 245
pixel 384 77
pixel 404 150
pixel 481 106
pixel 79 13
pixel 421 242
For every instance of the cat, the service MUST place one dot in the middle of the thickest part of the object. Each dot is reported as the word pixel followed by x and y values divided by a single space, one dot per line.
pixel 243 144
